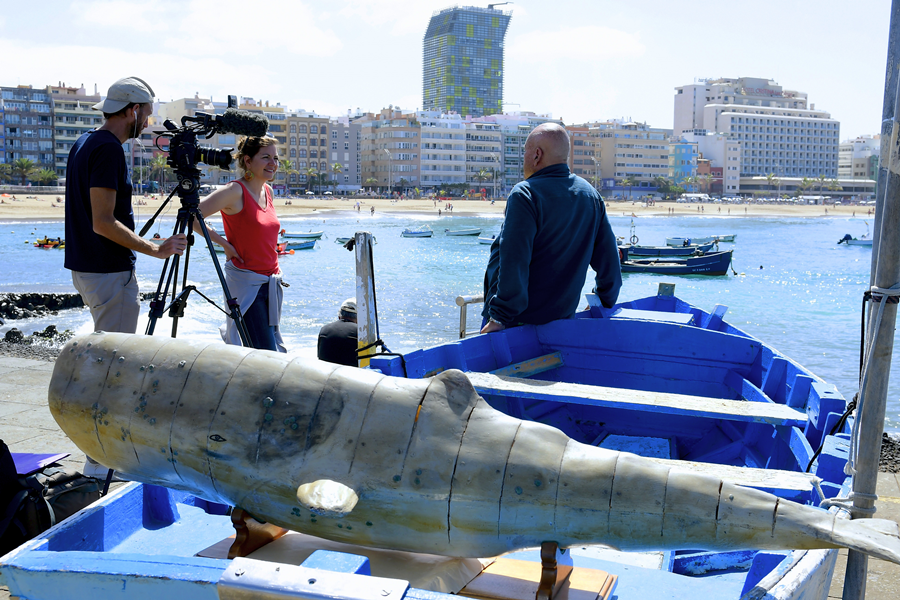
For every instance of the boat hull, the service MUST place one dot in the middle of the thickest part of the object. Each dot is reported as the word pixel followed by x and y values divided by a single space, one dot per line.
pixel 709 264
pixel 667 250
pixel 463 232
pixel 311 235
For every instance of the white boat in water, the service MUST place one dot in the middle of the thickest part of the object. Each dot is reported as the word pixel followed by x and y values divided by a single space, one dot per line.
pixel 486 240
pixel 468 231
pixel 418 232
pixel 682 241
pixel 309 235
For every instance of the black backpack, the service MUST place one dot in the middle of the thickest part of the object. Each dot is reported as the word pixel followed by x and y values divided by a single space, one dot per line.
pixel 33 504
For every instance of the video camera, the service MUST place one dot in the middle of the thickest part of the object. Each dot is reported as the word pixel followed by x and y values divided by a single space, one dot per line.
pixel 185 153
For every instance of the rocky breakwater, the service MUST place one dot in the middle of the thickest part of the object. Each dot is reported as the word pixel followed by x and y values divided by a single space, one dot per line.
pixel 30 305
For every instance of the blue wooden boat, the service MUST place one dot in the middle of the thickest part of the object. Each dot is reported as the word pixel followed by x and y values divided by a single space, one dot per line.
pixel 299 244
pixel 656 377
pixel 633 250
pixel 715 263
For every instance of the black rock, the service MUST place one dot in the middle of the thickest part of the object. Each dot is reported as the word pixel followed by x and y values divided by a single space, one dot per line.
pixel 13 336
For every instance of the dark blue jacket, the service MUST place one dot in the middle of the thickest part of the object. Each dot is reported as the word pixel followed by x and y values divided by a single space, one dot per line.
pixel 555 227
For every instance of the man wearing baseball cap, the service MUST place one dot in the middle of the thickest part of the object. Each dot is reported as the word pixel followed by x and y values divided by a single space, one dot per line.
pixel 338 340
pixel 100 238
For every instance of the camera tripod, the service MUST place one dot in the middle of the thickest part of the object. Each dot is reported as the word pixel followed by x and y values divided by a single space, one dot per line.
pixel 188 193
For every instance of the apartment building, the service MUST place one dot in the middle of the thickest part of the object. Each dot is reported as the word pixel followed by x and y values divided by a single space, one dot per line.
pixel 723 153
pixel 346 137
pixel 442 154
pixel 73 115
pixel 779 131
pixel 28 125
pixel 623 150
pixel 389 150
pixel 462 60
pixel 858 158
pixel 306 146
pixel 483 148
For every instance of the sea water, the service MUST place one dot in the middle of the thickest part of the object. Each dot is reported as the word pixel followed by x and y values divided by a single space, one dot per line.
pixel 796 288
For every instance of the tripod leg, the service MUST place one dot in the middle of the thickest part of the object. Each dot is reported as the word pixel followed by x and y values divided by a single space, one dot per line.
pixel 169 278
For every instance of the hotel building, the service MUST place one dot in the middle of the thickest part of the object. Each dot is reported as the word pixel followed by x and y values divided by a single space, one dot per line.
pixel 462 61
pixel 28 125
pixel 778 130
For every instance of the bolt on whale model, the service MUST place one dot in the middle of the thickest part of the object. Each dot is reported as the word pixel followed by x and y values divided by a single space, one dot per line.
pixel 418 465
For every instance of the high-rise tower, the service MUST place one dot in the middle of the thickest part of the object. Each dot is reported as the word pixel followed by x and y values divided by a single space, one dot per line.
pixel 462 66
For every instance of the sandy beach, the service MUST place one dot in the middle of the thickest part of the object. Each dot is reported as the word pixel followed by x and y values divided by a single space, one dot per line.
pixel 50 206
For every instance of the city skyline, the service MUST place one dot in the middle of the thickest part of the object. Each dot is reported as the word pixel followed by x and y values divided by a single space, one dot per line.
pixel 579 61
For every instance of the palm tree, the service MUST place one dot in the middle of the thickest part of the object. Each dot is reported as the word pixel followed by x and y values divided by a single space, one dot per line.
pixel 23 167
pixel 708 179
pixel 629 182
pixel 403 183
pixel 5 171
pixel 821 180
pixel 371 182
pixel 287 167
pixel 158 166
pixel 691 181
pixel 310 173
pixel 804 185
pixel 337 169
pixel 834 186
pixel 45 176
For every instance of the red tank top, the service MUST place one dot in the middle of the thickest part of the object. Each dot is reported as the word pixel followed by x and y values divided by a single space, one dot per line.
pixel 254 234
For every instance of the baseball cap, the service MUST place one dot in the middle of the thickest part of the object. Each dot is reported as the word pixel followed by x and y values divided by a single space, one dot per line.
pixel 123 92
pixel 349 306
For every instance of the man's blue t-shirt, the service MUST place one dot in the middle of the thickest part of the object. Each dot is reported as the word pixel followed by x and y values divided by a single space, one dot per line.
pixel 96 161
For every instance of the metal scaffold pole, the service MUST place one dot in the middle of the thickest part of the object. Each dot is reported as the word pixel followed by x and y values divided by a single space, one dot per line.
pixel 879 343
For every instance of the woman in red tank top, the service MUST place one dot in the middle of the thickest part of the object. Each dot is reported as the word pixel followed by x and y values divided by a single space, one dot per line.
pixel 251 228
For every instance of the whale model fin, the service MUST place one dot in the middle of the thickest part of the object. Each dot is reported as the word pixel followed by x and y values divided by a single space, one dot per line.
pixel 328 498
pixel 877 537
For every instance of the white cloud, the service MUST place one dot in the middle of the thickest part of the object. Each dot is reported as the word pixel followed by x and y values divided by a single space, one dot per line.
pixel 581 44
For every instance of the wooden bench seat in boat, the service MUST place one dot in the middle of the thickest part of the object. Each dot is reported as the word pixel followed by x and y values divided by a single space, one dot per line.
pixel 488 384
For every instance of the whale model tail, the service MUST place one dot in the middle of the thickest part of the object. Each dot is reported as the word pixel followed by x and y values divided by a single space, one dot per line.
pixel 876 537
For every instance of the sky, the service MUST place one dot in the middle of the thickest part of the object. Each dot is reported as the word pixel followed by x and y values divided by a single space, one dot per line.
pixel 577 60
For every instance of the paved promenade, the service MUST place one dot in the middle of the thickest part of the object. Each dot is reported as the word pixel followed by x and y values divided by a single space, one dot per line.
pixel 27 426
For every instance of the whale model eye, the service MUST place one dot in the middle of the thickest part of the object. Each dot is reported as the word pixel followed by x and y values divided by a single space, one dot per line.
pixel 327 497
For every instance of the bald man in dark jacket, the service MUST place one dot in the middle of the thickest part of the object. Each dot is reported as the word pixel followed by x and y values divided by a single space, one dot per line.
pixel 555 226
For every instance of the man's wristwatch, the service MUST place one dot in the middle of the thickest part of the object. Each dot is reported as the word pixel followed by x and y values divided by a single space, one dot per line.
pixel 493 320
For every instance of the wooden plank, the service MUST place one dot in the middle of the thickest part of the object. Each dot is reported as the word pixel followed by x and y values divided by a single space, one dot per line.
pixel 658 402
pixel 527 368
pixel 745 476
pixel 652 315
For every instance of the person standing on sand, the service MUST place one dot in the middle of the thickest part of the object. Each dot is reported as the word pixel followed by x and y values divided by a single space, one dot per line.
pixel 100 238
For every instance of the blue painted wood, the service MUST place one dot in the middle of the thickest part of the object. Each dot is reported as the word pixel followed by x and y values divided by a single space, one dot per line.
pixel 763 564
pixel 774 380
pixel 341 562
pixel 500 346
pixel 745 390
pixel 704 563
pixel 41 575
pixel 823 399
pixel 835 454
pixel 799 392
pixel 714 319
pixel 798 444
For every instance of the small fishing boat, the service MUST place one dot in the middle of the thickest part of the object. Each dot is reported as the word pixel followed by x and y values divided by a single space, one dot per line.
pixel 681 241
pixel 156 239
pixel 299 244
pixel 715 263
pixel 468 231
pixel 309 235
pixel 417 232
pixel 487 240
pixel 344 240
pixel 668 250
pixel 863 240
pixel 47 243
